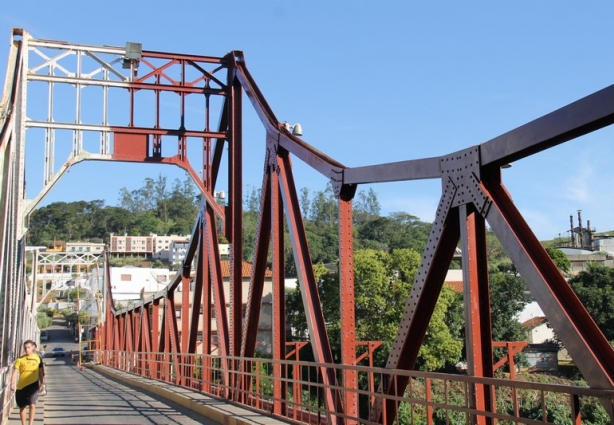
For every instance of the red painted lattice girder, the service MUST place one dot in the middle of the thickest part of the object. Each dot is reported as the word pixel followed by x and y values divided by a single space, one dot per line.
pixel 256 288
pixel 122 332
pixel 155 334
pixel 145 345
pixel 423 296
pixel 171 330
pixel 196 307
pixel 204 278
pixel 162 337
pixel 261 251
pixel 128 334
pixel 309 291
pixel 472 195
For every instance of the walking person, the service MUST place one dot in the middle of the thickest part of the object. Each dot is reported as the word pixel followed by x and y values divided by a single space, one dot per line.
pixel 29 367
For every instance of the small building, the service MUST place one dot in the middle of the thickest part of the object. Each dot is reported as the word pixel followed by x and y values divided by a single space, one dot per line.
pixel 542 357
pixel 581 259
pixel 84 248
pixel 537 330
pixel 177 250
pixel 154 246
pixel 56 246
pixel 128 282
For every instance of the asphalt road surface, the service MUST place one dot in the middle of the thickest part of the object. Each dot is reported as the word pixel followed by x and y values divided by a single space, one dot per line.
pixel 85 397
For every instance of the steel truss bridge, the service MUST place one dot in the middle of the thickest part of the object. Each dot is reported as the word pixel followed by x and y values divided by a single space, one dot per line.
pixel 124 81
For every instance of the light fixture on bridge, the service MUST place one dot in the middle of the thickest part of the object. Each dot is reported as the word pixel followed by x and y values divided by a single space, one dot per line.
pixel 296 129
pixel 219 196
pixel 132 58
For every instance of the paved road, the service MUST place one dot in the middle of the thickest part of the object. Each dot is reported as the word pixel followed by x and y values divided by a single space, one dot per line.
pixel 86 397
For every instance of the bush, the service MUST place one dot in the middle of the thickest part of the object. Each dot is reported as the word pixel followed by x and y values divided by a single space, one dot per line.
pixel 43 320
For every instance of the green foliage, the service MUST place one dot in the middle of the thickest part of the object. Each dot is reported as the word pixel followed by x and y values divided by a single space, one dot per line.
pixel 157 264
pixel 43 320
pixel 136 261
pixel 495 251
pixel 559 258
pixel 595 288
pixel 507 301
pixel 366 207
pixel 398 230
pixel 69 315
pixel 382 282
pixel 150 209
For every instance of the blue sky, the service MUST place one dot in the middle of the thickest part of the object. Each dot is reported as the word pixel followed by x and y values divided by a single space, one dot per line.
pixel 377 82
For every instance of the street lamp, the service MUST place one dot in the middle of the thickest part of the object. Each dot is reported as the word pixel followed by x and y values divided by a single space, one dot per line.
pixel 295 129
pixel 219 196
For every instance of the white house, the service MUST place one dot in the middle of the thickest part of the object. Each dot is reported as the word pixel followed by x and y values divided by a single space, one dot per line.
pixel 128 282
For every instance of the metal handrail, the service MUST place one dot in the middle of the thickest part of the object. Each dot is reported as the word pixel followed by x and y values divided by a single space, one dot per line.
pixel 428 395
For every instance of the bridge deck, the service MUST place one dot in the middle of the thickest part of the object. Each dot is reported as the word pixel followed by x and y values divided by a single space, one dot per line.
pixel 102 395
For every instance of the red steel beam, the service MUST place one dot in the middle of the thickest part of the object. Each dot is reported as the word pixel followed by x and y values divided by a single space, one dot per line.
pixel 572 323
pixel 423 296
pixel 478 325
pixel 280 384
pixel 204 275
pixel 472 193
pixel 261 250
pixel 234 225
pixel 162 344
pixel 173 332
pixel 197 299
pixel 309 291
pixel 146 346
pixel 347 307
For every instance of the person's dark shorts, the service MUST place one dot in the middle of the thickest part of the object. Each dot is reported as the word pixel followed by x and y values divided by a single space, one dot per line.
pixel 27 395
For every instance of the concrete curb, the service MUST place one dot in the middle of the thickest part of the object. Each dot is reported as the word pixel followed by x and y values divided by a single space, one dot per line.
pixel 217 410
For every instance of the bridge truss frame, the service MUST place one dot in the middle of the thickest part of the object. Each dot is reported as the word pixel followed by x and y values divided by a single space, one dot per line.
pixel 472 194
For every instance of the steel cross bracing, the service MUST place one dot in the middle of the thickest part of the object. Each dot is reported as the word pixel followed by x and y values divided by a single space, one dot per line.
pixel 472 195
pixel 57 268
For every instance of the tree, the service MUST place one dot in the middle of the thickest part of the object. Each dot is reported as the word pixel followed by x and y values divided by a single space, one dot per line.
pixel 182 207
pixel 324 210
pixel 595 289
pixel 43 320
pixel 495 251
pixel 366 207
pixel 382 282
pixel 398 230
pixel 507 301
pixel 559 258
pixel 65 221
pixel 304 202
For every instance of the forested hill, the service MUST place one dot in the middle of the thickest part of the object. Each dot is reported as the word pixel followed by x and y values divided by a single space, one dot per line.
pixel 156 209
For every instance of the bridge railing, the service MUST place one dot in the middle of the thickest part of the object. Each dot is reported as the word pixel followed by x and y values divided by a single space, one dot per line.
pixel 293 390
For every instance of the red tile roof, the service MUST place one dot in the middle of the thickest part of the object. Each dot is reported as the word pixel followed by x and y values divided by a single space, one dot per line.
pixel 246 270
pixel 456 285
pixel 534 322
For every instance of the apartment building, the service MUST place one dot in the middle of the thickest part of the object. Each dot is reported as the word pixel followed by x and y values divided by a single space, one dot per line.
pixel 155 246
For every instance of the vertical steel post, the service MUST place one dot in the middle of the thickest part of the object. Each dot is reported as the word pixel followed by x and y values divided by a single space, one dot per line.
pixel 235 218
pixel 347 309
pixel 478 324
pixel 279 311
